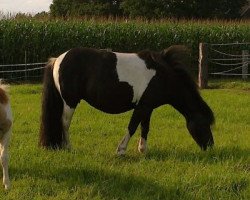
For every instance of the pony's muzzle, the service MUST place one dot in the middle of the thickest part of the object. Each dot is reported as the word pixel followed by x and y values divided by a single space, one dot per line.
pixel 202 134
pixel 207 145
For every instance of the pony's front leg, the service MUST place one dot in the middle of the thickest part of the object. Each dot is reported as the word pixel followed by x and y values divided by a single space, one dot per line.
pixel 121 149
pixel 133 124
pixel 142 145
pixel 66 120
pixel 4 157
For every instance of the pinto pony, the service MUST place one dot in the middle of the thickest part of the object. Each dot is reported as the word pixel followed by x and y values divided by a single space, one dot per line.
pixel 117 82
pixel 5 132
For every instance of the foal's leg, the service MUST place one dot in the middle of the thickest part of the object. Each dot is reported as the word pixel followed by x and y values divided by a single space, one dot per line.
pixel 4 144
pixel 142 146
pixel 66 120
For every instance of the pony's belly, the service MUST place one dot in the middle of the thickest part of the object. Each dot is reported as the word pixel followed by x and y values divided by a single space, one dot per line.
pixel 111 106
pixel 113 97
pixel 115 110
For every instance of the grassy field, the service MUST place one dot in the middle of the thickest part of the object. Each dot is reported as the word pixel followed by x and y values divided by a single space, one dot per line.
pixel 174 167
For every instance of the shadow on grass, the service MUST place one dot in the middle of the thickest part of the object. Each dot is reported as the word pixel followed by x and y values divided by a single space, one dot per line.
pixel 109 184
pixel 210 156
pixel 103 183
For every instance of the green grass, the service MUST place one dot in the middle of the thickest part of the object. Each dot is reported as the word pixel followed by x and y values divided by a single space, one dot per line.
pixel 174 167
pixel 229 84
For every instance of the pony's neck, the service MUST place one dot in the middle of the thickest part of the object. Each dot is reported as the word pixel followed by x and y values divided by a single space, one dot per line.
pixel 194 108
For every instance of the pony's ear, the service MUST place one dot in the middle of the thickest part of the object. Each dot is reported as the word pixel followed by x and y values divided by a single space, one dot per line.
pixel 157 58
pixel 176 54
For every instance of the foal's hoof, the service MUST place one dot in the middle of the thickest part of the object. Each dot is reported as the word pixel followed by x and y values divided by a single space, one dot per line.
pixel 7 186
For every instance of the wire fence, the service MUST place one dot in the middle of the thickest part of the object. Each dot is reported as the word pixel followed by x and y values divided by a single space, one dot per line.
pixel 231 59
pixel 27 67
pixel 22 72
pixel 30 70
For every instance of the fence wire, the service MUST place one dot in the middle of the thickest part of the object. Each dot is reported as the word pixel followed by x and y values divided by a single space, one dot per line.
pixel 228 59
pixel 225 60
pixel 22 72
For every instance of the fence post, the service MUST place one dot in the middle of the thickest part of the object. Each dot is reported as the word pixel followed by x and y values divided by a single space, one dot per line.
pixel 25 60
pixel 245 54
pixel 203 65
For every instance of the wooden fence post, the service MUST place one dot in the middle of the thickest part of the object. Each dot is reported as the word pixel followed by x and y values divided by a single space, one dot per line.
pixel 25 61
pixel 203 66
pixel 245 59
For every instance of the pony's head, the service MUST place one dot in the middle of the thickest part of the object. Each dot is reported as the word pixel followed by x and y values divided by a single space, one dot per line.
pixel 182 93
pixel 200 129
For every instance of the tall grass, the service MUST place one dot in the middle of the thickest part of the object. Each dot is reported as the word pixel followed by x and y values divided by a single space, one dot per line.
pixel 174 168
pixel 45 38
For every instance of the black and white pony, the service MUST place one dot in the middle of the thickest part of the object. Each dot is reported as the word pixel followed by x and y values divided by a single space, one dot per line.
pixel 5 132
pixel 115 83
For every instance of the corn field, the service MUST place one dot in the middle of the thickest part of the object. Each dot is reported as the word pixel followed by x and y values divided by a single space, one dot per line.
pixel 36 40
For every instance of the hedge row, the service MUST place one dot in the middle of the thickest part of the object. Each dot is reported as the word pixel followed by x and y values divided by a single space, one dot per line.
pixel 43 39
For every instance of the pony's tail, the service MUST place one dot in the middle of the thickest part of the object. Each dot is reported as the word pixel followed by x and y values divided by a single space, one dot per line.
pixel 51 130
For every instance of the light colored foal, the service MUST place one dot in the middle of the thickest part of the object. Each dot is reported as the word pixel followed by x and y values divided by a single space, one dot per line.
pixel 5 133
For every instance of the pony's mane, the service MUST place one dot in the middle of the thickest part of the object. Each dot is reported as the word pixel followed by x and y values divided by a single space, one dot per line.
pixel 176 57
pixel 189 82
pixel 176 54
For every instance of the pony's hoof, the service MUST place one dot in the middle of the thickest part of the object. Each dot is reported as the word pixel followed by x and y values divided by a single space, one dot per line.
pixel 142 150
pixel 142 146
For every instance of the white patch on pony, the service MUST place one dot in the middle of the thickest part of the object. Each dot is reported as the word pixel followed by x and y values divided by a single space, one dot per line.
pixel 56 70
pixel 142 145
pixel 133 70
pixel 121 149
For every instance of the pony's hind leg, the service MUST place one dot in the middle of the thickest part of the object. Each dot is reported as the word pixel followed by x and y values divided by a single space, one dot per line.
pixel 142 145
pixel 66 120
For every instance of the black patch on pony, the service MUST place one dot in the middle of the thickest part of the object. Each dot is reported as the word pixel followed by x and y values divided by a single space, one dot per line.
pixel 94 71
